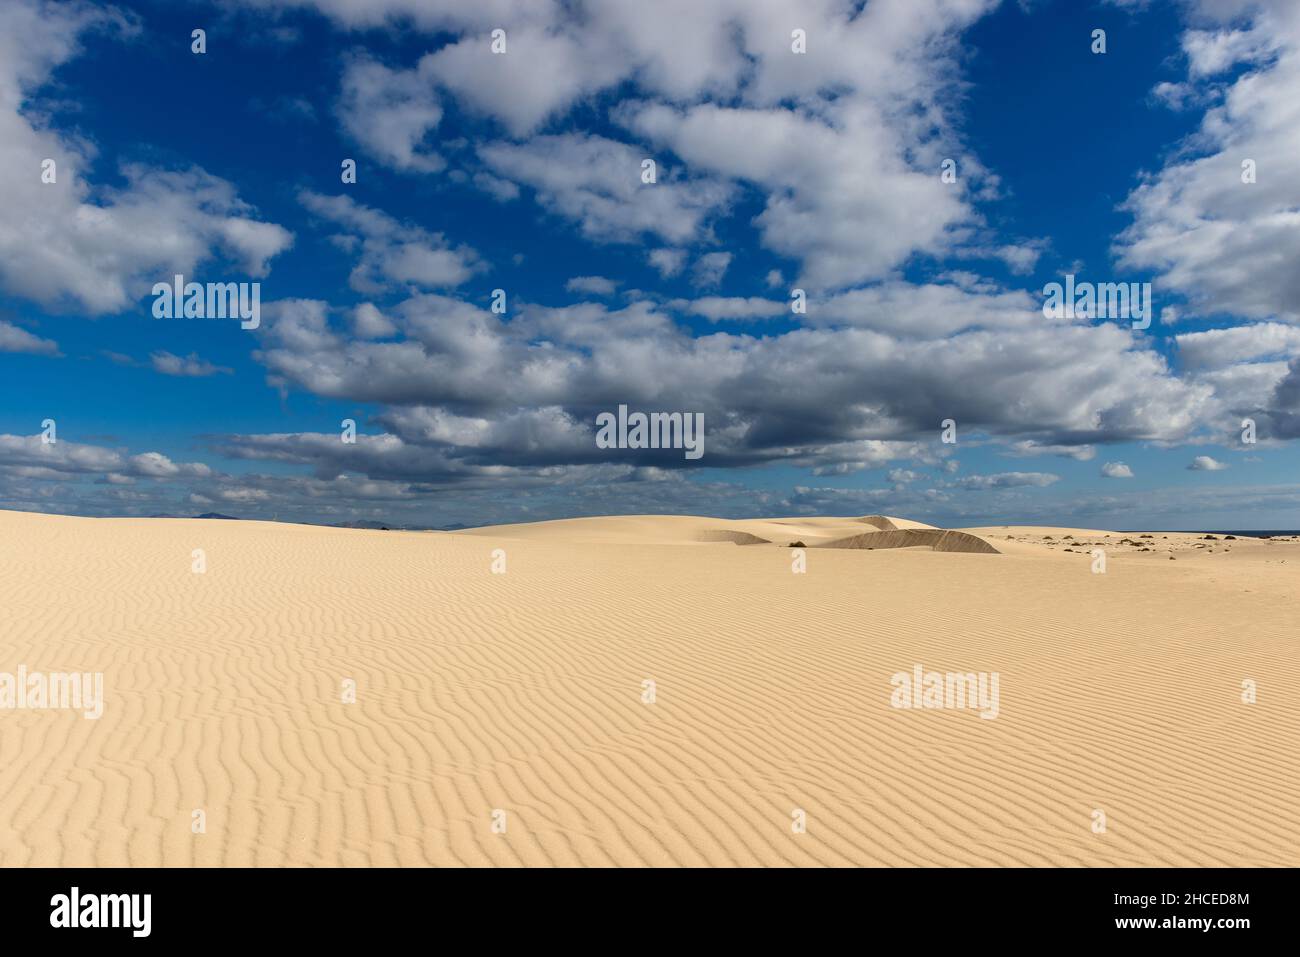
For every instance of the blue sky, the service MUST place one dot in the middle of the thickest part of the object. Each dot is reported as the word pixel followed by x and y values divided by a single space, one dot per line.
pixel 521 171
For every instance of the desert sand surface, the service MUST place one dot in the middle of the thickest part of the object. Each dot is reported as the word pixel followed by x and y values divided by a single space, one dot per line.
pixel 485 697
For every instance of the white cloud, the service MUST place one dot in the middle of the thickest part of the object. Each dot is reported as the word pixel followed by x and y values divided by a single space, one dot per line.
pixel 427 15
pixel 1213 51
pixel 710 268
pixel 845 142
pixel 1217 348
pixel 1068 385
pixel 391 113
pixel 15 339
pixel 393 253
pixel 541 73
pixel 1007 480
pixel 824 182
pixel 1226 244
pixel 1203 463
pixel 157 465
pixel 243 496
pixel 1178 96
pixel 669 262
pixel 596 183
pixel 502 190
pixel 716 308
pixel 189 366
pixel 1020 257
pixel 369 323
pixel 841 150
pixel 592 285
pixel 1117 470
pixel 929 310
pixel 100 248
pixel 65 458
pixel 1029 448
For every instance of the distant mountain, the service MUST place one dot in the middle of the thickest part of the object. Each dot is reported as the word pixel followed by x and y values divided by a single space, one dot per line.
pixel 365 523
pixel 390 527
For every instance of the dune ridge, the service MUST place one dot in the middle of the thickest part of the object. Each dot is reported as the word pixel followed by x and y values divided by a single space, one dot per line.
pixel 882 522
pixel 937 539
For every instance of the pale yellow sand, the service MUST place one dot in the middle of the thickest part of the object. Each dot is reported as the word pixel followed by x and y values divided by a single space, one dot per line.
pixel 1119 692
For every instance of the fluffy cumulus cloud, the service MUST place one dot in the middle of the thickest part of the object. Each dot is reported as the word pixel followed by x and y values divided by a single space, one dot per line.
pixel 542 71
pixel 392 253
pixel 1224 242
pixel 827 164
pixel 391 112
pixel 26 454
pixel 94 247
pixel 597 183
pixel 823 182
pixel 1219 221
pixel 741 308
pixel 851 133
pixel 464 390
pixel 1217 348
pixel 592 285
pixel 667 261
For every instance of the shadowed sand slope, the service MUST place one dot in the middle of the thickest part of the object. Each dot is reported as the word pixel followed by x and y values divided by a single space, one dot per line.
pixel 938 539
pixel 616 692
pixel 731 535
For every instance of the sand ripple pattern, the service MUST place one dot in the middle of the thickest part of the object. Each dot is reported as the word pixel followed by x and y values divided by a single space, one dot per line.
pixel 522 692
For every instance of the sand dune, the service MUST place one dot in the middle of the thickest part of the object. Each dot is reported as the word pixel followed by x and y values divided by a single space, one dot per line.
pixel 522 694
pixel 731 535
pixel 936 539
pixel 675 529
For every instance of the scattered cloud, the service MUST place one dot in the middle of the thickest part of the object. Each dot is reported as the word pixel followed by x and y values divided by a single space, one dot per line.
pixel 16 339
pixel 391 112
pixel 393 253
pixel 592 285
pixel 71 242
pixel 596 183
pixel 710 268
pixel 1218 221
pixel 669 262
pixel 189 366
